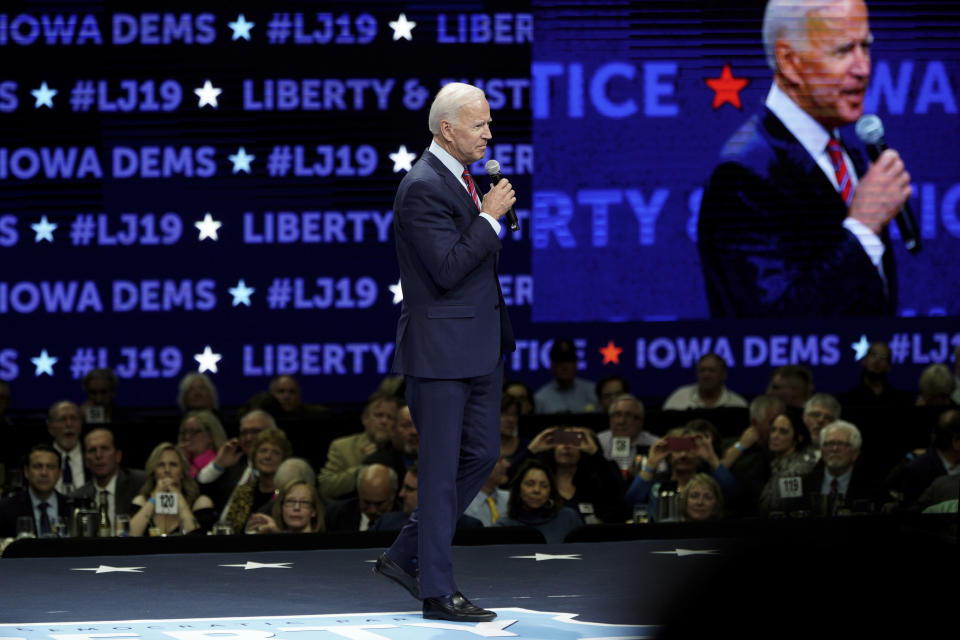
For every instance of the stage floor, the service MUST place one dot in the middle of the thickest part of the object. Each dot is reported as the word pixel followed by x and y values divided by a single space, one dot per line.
pixel 578 590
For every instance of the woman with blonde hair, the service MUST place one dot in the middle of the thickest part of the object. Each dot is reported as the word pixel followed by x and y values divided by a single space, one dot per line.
pixel 701 499
pixel 270 449
pixel 167 472
pixel 297 509
pixel 200 437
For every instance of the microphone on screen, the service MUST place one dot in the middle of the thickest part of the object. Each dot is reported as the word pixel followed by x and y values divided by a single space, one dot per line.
pixel 870 131
pixel 493 170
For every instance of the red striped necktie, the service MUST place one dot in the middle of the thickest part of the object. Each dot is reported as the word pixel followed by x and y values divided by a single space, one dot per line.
pixel 471 187
pixel 844 184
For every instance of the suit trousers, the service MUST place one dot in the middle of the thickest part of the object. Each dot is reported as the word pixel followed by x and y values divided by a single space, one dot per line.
pixel 458 422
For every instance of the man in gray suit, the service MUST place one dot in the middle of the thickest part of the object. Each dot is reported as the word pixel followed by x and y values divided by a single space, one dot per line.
pixel 109 481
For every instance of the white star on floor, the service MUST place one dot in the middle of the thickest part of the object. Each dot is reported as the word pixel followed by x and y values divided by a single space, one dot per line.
pixel 402 159
pixel 44 364
pixel 207 95
pixel 241 160
pixel 208 227
pixel 44 96
pixel 260 565
pixel 43 230
pixel 207 360
pixel 105 568
pixel 402 28
pixel 680 553
pixel 241 293
pixel 860 348
pixel 550 556
pixel 397 292
pixel 241 28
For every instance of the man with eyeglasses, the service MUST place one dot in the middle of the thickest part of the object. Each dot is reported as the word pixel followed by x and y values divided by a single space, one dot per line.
pixel 837 483
pixel 819 411
pixel 626 433
pixel 234 463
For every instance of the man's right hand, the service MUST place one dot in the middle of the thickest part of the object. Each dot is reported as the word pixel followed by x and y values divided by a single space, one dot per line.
pixel 499 199
pixel 881 192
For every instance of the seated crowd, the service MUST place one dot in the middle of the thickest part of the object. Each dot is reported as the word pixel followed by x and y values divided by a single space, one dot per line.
pixel 787 452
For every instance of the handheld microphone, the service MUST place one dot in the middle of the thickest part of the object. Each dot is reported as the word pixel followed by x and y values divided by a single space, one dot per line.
pixel 870 131
pixel 493 170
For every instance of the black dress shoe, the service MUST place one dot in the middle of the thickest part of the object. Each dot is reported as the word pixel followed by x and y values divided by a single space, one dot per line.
pixel 391 571
pixel 455 608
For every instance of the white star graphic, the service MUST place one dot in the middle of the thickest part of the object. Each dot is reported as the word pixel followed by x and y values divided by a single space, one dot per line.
pixel 207 95
pixel 397 292
pixel 402 159
pixel 44 96
pixel 208 227
pixel 241 160
pixel 105 568
pixel 260 565
pixel 549 556
pixel 860 347
pixel 241 293
pixel 402 28
pixel 207 360
pixel 680 553
pixel 43 230
pixel 241 28
pixel 44 364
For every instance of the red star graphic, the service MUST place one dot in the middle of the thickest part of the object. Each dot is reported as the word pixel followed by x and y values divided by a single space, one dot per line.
pixel 611 353
pixel 726 88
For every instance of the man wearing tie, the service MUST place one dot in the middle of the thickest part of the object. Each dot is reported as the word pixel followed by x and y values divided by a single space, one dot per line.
pixel 40 501
pixel 792 223
pixel 64 424
pixel 452 332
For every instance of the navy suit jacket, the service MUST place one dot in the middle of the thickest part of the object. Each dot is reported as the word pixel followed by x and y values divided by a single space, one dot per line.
pixel 19 504
pixel 453 322
pixel 771 234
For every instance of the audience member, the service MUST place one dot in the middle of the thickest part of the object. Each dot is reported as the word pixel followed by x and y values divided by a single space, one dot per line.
pixel 197 393
pixel 819 411
pixel 788 446
pixel 943 489
pixel 63 424
pixel 408 499
pixel 620 443
pixel 270 449
pixel 511 445
pixel 40 501
pixel 686 452
pixel 748 457
pixel 791 383
pixel 338 477
pixel 377 487
pixel 286 391
pixel 400 451
pixel 566 393
pixel 936 386
pixel 709 391
pixel 200 438
pixel 874 390
pixel 522 392
pixel 941 458
pixel 297 509
pixel 167 471
pixel 490 503
pixel 233 464
pixel 586 481
pixel 100 387
pixel 838 483
pixel 535 502
pixel 609 389
pixel 109 482
pixel 701 499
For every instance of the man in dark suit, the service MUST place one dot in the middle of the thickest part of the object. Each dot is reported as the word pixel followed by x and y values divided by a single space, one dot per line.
pixel 40 501
pixel 940 458
pixel 452 332
pixel 376 496
pixel 792 222
pixel 109 481
pixel 837 481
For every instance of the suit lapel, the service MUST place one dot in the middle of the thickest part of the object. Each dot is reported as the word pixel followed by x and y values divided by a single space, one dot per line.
pixel 453 183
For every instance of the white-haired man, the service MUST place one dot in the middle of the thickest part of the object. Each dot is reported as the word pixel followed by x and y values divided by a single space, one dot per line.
pixel 792 221
pixel 837 482
pixel 451 337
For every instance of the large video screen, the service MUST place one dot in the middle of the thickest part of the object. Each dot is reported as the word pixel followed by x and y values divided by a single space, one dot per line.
pixel 209 186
